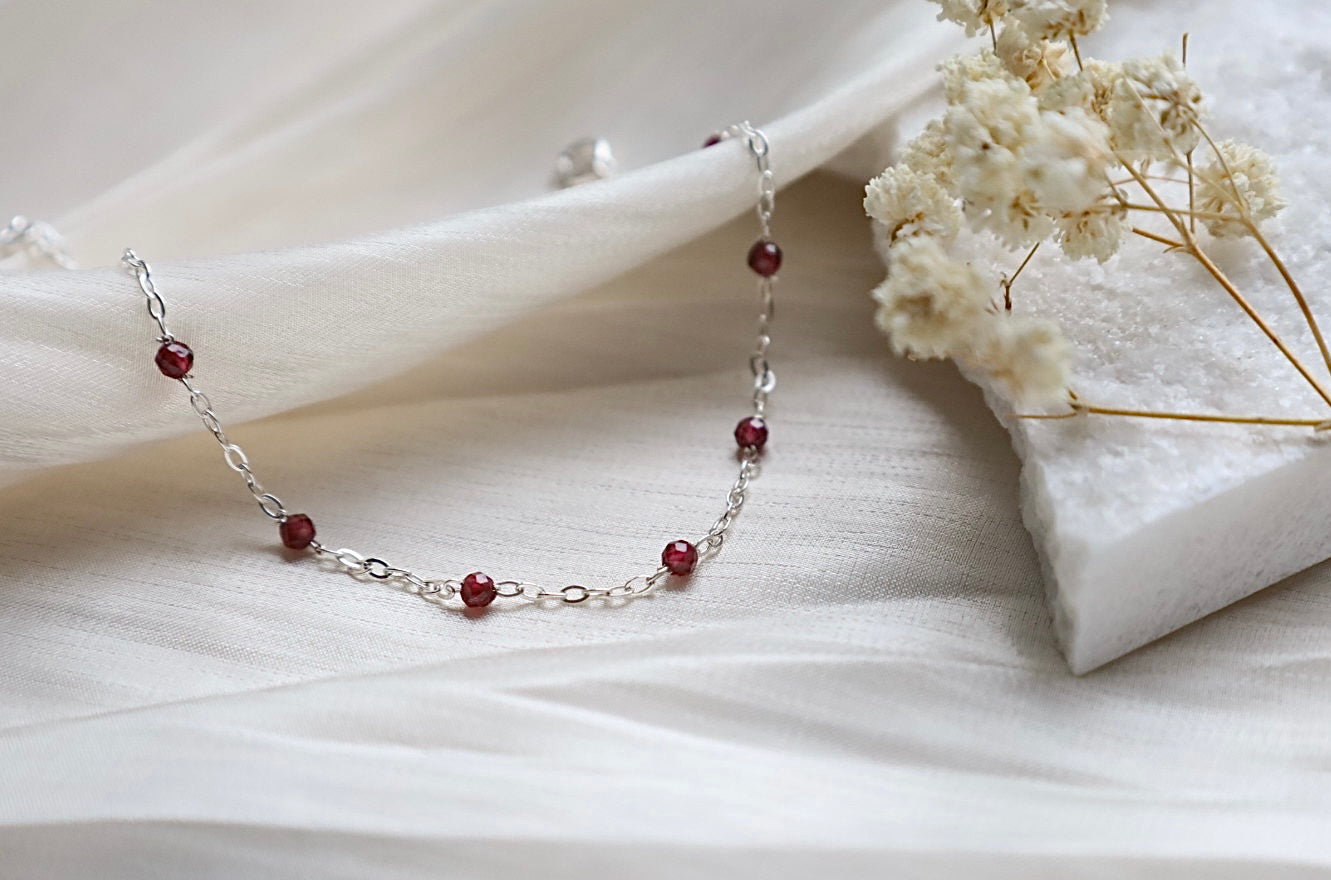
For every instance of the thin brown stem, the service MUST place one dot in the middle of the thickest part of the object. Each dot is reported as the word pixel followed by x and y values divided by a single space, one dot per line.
pixel 1192 180
pixel 1076 51
pixel 1085 409
pixel 1161 177
pixel 1220 157
pixel 1192 196
pixel 1198 254
pixel 1247 219
pixel 1008 282
pixel 1294 289
pixel 1181 212
pixel 1160 238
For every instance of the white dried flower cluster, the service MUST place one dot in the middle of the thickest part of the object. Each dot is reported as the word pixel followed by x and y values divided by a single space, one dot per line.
pixel 973 15
pixel 934 306
pixel 1060 19
pixel 1091 88
pixel 1021 169
pixel 1028 151
pixel 930 303
pixel 1096 233
pixel 1039 62
pixel 928 154
pixel 1154 110
pixel 905 202
pixel 1241 179
pixel 1029 356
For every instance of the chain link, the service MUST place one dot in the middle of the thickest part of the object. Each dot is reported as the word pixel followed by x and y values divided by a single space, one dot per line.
pixel 232 454
pixel 358 565
pixel 443 590
pixel 37 239
pixel 142 272
pixel 759 148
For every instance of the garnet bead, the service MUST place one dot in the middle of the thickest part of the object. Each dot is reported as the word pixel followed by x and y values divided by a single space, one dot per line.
pixel 478 590
pixel 751 433
pixel 712 140
pixel 297 531
pixel 765 257
pixel 174 359
pixel 679 557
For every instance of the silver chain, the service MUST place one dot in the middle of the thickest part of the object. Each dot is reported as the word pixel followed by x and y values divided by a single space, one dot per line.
pixel 442 590
pixel 36 239
pixel 232 454
pixel 764 380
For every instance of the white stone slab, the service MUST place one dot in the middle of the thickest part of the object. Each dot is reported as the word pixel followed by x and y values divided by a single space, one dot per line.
pixel 1146 526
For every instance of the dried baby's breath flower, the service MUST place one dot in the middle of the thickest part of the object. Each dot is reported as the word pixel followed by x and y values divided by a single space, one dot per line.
pixel 987 133
pixel 906 202
pixel 930 303
pixel 928 154
pixel 1245 177
pixel 1039 62
pixel 1067 161
pixel 1154 109
pixel 1095 233
pixel 1060 19
pixel 1029 356
pixel 973 15
pixel 1036 153
pixel 1091 89
pixel 963 71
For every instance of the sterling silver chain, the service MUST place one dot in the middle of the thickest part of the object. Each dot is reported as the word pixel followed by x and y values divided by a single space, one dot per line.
pixel 36 239
pixel 46 243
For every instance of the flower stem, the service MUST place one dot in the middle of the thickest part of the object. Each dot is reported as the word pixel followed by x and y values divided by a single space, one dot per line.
pixel 1205 215
pixel 1008 282
pixel 1294 289
pixel 1192 196
pixel 1192 180
pixel 1160 238
pixel 1251 225
pixel 1081 409
pixel 1190 242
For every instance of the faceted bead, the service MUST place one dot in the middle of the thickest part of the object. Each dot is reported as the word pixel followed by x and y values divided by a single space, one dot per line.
pixel 679 557
pixel 712 140
pixel 297 531
pixel 174 359
pixel 765 257
pixel 478 590
pixel 751 433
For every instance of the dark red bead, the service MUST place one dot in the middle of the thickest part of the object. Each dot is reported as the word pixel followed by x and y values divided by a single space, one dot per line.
pixel 174 359
pixel 712 140
pixel 679 557
pixel 765 257
pixel 751 433
pixel 297 531
pixel 478 590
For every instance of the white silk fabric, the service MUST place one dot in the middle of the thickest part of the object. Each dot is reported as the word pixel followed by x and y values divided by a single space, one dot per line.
pixel 451 366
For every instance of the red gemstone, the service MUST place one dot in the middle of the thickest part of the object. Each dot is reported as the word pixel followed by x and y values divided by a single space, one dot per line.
pixel 765 258
pixel 679 557
pixel 297 531
pixel 478 590
pixel 751 433
pixel 711 141
pixel 174 359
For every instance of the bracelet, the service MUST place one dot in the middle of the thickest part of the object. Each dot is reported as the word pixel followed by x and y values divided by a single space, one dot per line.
pixel 477 590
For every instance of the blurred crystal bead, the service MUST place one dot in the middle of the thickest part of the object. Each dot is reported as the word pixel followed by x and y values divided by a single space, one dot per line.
pixel 584 161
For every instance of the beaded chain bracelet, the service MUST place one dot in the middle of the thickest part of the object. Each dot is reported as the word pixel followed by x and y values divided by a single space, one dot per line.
pixel 175 360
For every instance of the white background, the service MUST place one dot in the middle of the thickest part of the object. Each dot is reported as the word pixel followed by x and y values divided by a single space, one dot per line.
pixel 348 211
